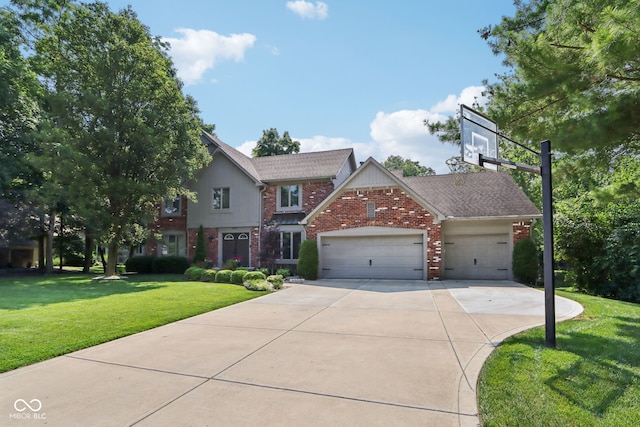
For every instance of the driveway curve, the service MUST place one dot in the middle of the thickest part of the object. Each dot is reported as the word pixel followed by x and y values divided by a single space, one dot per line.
pixel 322 353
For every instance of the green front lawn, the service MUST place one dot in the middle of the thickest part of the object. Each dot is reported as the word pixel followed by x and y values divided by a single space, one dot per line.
pixel 591 379
pixel 46 316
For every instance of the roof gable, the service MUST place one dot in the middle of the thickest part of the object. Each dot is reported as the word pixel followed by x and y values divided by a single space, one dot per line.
pixel 372 174
pixel 240 160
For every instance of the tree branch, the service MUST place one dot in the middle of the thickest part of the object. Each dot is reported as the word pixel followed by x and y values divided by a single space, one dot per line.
pixel 564 46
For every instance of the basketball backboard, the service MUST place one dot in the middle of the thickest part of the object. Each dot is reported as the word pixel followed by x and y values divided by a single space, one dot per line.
pixel 479 135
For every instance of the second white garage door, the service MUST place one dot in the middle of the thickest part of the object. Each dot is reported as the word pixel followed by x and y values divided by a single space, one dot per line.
pixel 372 257
pixel 477 257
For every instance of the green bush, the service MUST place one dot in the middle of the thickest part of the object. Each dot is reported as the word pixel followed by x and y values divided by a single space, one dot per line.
pixel 142 264
pixel 238 276
pixel 525 262
pixel 230 264
pixel 284 272
pixel 308 260
pixel 276 280
pixel 258 285
pixel 208 276
pixel 224 276
pixel 264 271
pixel 194 273
pixel 169 265
pixel 255 275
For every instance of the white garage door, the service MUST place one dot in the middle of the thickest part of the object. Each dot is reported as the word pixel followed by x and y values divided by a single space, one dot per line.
pixel 372 257
pixel 477 257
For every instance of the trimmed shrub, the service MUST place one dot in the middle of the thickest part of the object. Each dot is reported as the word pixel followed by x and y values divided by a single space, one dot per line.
pixel 140 264
pixel 525 264
pixel 238 276
pixel 258 285
pixel 264 271
pixel 255 275
pixel 230 264
pixel 208 275
pixel 308 260
pixel 169 265
pixel 194 273
pixel 284 272
pixel 224 276
pixel 276 280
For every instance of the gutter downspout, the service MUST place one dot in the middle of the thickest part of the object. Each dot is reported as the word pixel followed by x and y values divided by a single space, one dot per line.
pixel 260 220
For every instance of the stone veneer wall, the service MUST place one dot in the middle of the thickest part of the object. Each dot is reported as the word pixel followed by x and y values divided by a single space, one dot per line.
pixel 394 208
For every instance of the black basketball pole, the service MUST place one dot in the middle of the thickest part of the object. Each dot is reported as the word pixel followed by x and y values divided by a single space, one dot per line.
pixel 547 225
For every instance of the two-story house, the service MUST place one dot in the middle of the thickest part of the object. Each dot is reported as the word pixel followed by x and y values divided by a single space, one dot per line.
pixel 238 195
pixel 367 221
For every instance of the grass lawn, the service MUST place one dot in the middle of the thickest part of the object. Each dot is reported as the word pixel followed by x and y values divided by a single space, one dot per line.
pixel 591 379
pixel 46 316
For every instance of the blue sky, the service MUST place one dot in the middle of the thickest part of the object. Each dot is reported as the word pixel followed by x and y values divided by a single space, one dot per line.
pixel 334 73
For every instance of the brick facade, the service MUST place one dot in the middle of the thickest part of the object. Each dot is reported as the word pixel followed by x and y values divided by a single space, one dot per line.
pixel 521 230
pixel 173 222
pixel 313 193
pixel 393 209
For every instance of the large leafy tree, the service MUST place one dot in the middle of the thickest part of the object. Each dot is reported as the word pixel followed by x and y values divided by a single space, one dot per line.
pixel 271 144
pixel 407 166
pixel 18 117
pixel 120 134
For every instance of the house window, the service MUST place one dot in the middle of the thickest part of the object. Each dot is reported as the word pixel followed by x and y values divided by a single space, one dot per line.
pixel 172 245
pixel 171 206
pixel 290 243
pixel 289 196
pixel 220 198
pixel 371 210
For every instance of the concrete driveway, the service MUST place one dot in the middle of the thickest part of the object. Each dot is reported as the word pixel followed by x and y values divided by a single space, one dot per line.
pixel 325 353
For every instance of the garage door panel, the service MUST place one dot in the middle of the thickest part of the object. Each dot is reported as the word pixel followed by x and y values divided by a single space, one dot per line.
pixel 382 257
pixel 477 257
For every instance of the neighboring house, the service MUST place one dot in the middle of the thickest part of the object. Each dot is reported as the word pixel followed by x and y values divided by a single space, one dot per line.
pixel 23 253
pixel 368 222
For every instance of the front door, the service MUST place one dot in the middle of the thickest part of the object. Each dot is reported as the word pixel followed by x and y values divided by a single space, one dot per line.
pixel 236 246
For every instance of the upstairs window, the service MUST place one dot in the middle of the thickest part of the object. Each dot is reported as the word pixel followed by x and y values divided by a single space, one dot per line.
pixel 289 197
pixel 220 198
pixel 171 206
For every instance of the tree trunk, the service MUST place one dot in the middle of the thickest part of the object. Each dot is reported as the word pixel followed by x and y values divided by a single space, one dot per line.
pixel 41 250
pixel 88 251
pixel 112 259
pixel 49 251
pixel 102 259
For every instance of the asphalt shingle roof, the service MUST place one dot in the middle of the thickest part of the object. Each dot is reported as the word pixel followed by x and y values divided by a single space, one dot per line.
pixel 322 164
pixel 288 167
pixel 473 195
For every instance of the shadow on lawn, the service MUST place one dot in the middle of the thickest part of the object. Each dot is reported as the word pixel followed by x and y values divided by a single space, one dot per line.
pixel 18 294
pixel 607 367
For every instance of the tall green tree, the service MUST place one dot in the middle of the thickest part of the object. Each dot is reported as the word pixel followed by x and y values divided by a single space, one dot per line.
pixel 574 74
pixel 407 166
pixel 120 133
pixel 19 111
pixel 272 145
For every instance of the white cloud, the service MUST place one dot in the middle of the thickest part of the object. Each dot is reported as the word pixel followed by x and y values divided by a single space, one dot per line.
pixel 199 50
pixel 401 133
pixel 468 96
pixel 308 10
